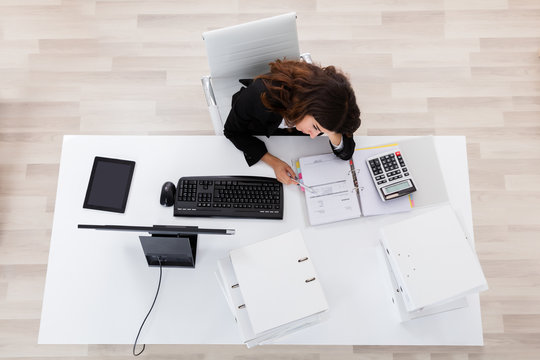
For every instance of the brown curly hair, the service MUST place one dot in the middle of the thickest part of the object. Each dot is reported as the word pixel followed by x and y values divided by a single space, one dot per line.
pixel 296 89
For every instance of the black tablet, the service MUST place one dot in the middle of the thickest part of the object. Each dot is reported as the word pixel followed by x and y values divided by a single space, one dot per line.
pixel 109 184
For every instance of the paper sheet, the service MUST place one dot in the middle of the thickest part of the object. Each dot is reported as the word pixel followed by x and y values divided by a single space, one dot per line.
pixel 334 197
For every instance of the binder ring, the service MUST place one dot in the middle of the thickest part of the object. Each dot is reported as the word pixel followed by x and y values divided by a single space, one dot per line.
pixel 356 171
pixel 310 280
pixel 235 286
pixel 303 259
pixel 242 306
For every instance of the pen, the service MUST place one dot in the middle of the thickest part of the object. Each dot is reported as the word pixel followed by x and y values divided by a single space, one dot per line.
pixel 304 186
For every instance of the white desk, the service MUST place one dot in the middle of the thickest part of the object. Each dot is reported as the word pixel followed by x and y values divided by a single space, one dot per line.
pixel 99 287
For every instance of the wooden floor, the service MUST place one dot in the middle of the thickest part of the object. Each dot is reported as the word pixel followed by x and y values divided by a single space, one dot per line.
pixel 443 67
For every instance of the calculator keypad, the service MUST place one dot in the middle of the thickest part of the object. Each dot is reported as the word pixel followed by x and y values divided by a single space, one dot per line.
pixel 388 167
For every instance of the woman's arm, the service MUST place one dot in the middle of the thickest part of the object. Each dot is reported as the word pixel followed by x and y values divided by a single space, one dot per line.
pixel 283 171
pixel 346 151
pixel 253 148
pixel 249 117
pixel 335 139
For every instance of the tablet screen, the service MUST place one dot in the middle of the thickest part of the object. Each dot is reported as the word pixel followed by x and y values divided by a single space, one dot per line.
pixel 109 184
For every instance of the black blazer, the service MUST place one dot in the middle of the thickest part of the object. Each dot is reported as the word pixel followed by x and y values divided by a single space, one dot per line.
pixel 250 117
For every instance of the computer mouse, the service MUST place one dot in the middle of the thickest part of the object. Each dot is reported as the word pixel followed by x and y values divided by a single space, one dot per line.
pixel 168 190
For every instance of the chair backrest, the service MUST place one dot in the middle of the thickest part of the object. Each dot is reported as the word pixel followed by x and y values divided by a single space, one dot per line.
pixel 244 51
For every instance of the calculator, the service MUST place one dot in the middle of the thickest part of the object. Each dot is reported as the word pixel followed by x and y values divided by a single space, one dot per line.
pixel 391 175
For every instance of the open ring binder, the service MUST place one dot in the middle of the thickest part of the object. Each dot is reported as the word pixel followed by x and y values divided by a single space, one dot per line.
pixel 346 190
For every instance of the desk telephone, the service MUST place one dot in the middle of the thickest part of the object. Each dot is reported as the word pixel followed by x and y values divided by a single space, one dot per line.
pixel 391 175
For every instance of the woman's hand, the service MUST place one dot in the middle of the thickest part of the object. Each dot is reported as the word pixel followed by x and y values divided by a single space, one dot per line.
pixel 283 172
pixel 335 138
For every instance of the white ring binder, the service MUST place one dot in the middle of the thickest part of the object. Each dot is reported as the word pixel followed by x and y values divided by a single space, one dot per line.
pixel 251 276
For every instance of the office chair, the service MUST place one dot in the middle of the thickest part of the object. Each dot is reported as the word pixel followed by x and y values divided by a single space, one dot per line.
pixel 243 52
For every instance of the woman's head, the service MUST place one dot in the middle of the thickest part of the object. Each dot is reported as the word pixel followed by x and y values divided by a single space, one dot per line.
pixel 297 89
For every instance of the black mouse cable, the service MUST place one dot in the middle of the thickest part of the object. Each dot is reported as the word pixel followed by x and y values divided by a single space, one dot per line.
pixel 149 311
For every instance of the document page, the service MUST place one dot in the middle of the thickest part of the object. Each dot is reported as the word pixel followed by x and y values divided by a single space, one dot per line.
pixel 334 196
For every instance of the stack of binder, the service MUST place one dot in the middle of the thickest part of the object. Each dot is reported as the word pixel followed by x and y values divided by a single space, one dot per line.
pixel 431 264
pixel 272 288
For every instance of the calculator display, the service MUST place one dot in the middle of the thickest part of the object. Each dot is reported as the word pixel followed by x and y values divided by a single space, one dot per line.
pixel 397 187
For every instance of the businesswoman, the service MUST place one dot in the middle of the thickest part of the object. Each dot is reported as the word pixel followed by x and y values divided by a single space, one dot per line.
pixel 294 98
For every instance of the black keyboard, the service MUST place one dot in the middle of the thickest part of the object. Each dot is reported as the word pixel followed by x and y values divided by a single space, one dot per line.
pixel 229 196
